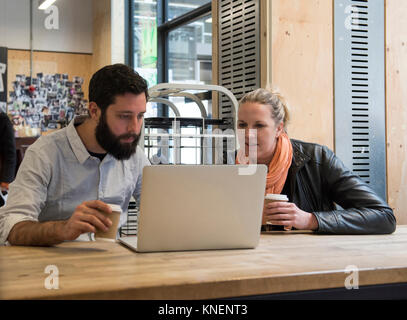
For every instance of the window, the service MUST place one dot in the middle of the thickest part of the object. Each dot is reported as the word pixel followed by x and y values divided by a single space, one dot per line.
pixel 142 46
pixel 177 8
pixel 170 40
pixel 190 52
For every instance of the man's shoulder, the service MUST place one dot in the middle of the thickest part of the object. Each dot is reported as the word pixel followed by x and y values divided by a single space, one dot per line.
pixel 48 143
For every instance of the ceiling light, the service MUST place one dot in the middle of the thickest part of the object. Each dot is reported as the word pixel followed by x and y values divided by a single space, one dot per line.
pixel 45 4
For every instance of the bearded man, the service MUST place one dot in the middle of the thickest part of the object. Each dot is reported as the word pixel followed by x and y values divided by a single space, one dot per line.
pixel 67 178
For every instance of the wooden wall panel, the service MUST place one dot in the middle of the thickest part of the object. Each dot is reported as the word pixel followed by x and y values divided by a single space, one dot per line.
pixel 102 37
pixel 396 99
pixel 50 63
pixel 302 66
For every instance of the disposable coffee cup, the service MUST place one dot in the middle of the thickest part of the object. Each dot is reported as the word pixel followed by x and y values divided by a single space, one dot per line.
pixel 269 198
pixel 110 235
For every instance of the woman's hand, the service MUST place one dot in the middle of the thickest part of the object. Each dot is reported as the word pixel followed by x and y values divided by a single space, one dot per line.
pixel 289 215
pixel 4 186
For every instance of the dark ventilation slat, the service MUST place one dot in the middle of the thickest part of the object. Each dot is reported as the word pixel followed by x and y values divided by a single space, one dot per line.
pixel 359 89
pixel 239 49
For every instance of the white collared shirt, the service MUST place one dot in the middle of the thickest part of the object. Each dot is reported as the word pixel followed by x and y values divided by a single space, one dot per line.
pixel 58 173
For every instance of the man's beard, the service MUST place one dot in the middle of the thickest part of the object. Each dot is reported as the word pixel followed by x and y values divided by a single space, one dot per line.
pixel 111 143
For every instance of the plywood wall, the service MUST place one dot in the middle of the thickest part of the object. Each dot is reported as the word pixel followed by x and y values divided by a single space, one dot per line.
pixel 50 63
pixel 396 100
pixel 302 65
pixel 102 37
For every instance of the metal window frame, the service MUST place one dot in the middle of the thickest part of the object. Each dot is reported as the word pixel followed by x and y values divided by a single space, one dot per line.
pixel 129 33
pixel 164 27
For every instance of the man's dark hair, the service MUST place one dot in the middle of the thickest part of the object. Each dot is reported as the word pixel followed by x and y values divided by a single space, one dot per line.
pixel 114 80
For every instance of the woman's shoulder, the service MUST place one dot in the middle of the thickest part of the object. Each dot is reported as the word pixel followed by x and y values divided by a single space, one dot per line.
pixel 307 146
pixel 310 150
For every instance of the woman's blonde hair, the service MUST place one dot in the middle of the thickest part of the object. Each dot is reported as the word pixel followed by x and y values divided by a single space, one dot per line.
pixel 272 98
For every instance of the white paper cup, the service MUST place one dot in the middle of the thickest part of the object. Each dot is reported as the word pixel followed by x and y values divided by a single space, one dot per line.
pixel 110 235
pixel 271 197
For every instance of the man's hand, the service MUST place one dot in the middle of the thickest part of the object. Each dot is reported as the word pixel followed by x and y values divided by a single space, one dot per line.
pixel 86 218
pixel 288 214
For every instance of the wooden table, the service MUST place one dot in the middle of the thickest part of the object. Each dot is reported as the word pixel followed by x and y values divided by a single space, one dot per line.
pixel 283 262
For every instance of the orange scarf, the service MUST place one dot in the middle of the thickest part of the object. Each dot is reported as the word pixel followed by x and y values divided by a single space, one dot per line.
pixel 279 165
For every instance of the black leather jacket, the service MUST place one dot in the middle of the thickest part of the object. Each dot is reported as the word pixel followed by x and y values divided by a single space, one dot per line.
pixel 317 179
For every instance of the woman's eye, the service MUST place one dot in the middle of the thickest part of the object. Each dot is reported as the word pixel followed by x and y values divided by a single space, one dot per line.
pixel 124 117
pixel 241 125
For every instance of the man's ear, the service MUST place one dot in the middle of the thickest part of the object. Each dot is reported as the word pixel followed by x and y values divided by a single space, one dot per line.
pixel 94 111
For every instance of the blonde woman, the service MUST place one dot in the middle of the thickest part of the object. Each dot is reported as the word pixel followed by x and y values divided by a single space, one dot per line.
pixel 312 177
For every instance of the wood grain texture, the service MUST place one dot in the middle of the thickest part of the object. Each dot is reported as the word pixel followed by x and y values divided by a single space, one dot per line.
pixel 50 63
pixel 396 112
pixel 302 66
pixel 283 262
pixel 102 34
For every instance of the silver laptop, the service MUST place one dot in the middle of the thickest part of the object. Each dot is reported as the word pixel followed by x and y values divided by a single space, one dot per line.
pixel 185 207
